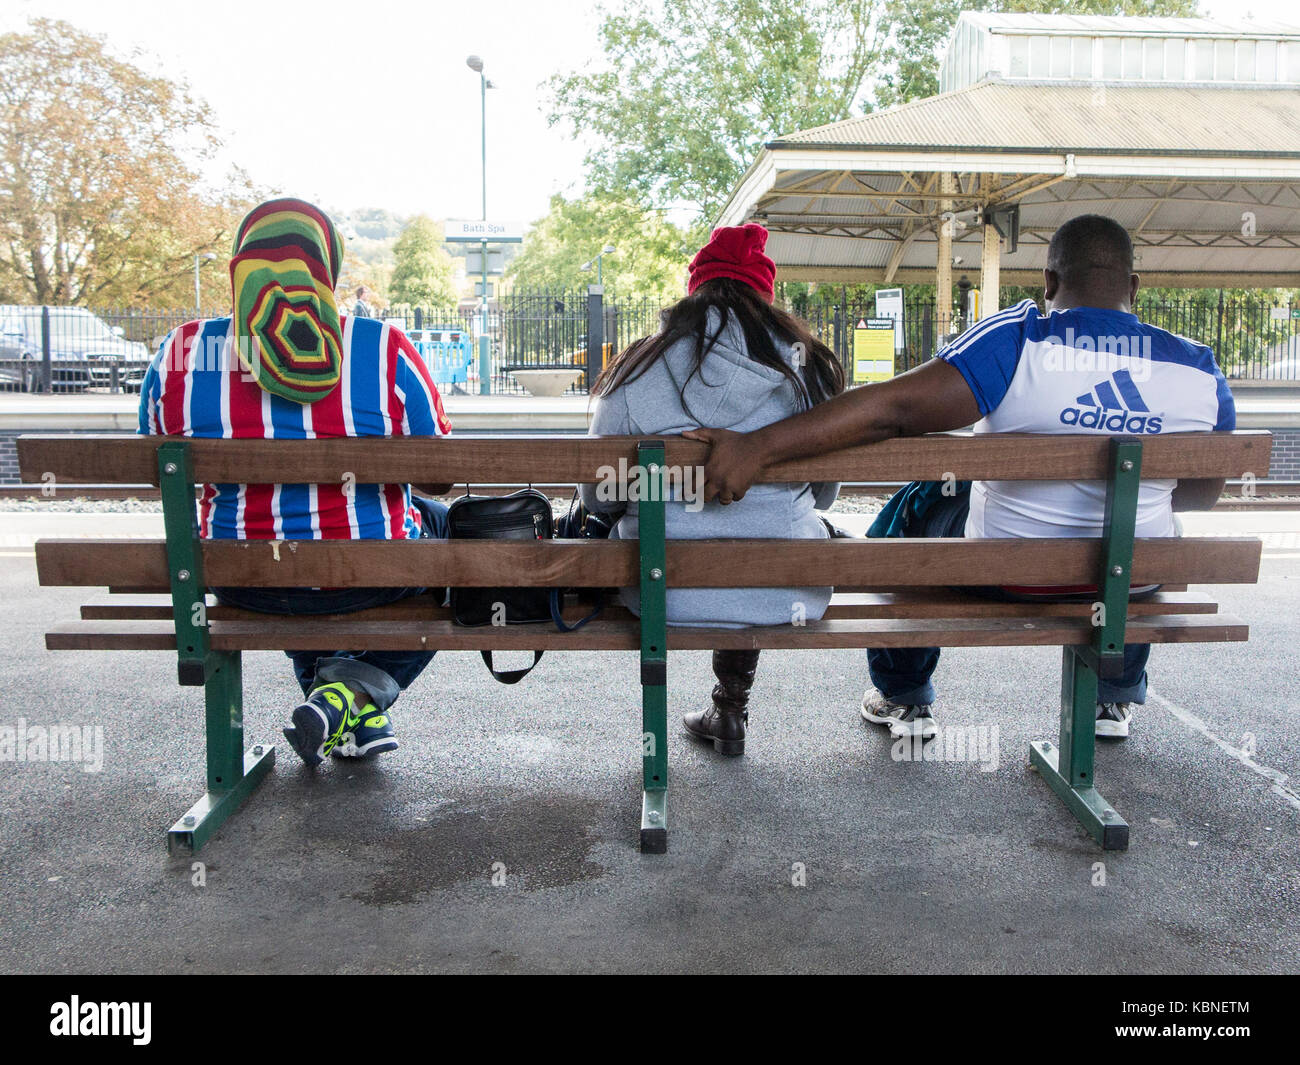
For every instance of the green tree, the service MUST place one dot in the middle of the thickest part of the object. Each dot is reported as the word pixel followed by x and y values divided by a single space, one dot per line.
pixel 423 273
pixel 648 261
pixel 98 201
pixel 690 90
pixel 1234 322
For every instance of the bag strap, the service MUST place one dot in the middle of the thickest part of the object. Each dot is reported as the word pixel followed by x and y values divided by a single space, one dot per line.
pixel 558 618
pixel 510 676
pixel 514 676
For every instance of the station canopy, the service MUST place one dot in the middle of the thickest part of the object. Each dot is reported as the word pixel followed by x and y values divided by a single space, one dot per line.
pixel 1187 131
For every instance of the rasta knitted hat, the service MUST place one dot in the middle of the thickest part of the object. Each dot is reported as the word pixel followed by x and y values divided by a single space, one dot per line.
pixel 735 252
pixel 285 264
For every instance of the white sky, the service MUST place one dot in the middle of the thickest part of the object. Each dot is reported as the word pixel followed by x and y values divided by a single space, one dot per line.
pixel 390 87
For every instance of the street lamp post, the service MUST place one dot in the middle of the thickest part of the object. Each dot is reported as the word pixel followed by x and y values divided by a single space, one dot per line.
pixel 198 298
pixel 596 316
pixel 608 249
pixel 475 63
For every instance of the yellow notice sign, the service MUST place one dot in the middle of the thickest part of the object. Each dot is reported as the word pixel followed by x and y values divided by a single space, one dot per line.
pixel 873 350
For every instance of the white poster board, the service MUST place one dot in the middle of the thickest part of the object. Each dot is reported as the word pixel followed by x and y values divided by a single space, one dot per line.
pixel 889 304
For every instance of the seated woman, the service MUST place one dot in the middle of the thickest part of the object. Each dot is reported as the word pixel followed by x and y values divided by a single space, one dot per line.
pixel 724 358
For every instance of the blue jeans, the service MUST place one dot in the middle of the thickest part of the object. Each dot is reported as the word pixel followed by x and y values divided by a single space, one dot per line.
pixel 903 674
pixel 383 675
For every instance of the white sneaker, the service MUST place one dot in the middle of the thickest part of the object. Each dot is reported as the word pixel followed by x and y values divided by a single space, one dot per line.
pixel 903 719
pixel 1113 720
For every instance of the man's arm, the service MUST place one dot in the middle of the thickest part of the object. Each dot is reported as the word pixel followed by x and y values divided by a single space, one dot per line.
pixel 150 418
pixel 933 398
pixel 1203 493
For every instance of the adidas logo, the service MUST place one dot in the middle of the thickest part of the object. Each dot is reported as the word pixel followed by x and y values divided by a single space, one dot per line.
pixel 1113 406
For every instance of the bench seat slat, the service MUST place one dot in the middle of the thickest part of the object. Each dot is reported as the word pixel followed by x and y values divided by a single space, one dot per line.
pixel 602 634
pixel 925 603
pixel 691 563
pixel 120 459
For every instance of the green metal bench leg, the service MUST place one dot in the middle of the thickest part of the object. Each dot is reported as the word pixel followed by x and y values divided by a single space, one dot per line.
pixel 654 650
pixel 232 774
pixel 1068 769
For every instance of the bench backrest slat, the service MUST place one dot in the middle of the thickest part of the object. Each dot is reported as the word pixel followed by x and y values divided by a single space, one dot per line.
pixel 88 459
pixel 691 564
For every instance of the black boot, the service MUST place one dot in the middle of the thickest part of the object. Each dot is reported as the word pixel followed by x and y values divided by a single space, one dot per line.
pixel 724 721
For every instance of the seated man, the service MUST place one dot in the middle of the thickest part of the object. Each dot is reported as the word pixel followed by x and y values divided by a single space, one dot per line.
pixel 321 375
pixel 1087 366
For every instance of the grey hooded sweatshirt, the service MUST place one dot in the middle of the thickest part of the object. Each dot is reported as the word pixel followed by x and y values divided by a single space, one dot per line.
pixel 731 391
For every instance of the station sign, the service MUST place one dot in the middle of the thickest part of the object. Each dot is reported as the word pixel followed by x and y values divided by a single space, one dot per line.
pixel 463 231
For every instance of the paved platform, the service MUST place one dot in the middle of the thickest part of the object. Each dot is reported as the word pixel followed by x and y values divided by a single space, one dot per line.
pixel 908 866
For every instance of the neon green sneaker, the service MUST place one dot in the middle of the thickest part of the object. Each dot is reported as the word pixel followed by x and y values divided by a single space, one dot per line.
pixel 372 734
pixel 320 723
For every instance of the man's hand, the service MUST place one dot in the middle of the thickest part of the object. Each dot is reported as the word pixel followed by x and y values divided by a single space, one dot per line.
pixel 734 463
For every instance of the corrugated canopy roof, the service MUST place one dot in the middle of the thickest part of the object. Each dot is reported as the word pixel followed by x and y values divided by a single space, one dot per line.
pixel 1129 25
pixel 1207 179
pixel 1078 116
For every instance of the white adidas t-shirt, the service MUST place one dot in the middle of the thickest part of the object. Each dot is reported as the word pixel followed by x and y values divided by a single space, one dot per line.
pixel 1085 370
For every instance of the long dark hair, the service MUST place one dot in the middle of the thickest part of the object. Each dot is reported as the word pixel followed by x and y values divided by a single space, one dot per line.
pixel 819 378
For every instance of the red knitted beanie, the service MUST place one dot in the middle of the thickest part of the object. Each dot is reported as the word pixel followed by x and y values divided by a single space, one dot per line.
pixel 735 252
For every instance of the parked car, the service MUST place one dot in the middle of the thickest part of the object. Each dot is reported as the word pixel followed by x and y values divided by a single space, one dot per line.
pixel 83 350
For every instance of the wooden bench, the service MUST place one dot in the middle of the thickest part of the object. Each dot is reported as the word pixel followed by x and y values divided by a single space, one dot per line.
pixel 890 593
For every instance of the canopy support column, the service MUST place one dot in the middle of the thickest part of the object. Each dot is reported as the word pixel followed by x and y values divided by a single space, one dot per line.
pixel 990 268
pixel 943 267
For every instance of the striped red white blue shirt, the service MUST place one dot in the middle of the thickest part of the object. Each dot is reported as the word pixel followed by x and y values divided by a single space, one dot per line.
pixel 196 386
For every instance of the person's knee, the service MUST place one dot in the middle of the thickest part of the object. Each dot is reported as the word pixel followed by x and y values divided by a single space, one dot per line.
pixel 363 679
pixel 433 518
